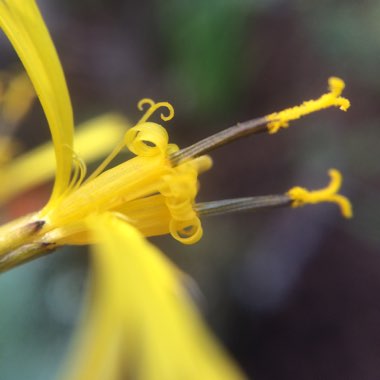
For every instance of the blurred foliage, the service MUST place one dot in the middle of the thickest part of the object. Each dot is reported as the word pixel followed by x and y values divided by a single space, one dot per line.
pixel 346 34
pixel 204 42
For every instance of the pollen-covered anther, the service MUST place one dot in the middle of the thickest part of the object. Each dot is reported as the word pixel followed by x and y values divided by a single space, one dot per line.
pixel 302 196
pixel 281 119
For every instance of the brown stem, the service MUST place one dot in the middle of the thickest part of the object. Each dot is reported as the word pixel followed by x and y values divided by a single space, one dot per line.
pixel 229 206
pixel 221 138
pixel 24 254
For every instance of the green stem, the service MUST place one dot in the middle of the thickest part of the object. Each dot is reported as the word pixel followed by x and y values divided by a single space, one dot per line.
pixel 20 242
pixel 24 254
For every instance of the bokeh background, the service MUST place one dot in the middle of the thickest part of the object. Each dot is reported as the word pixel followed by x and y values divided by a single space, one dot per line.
pixel 293 294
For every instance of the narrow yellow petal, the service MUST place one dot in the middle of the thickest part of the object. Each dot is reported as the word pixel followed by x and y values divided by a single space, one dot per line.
pixel 93 140
pixel 8 149
pixel 140 296
pixel 22 23
pixel 150 215
pixel 16 99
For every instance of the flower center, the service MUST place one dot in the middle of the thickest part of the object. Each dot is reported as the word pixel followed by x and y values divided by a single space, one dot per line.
pixel 148 191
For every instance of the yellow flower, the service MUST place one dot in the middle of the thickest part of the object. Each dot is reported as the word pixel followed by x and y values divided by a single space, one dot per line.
pixel 139 320
pixel 16 97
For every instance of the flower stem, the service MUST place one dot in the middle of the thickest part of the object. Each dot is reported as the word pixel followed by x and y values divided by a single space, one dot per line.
pixel 24 254
pixel 20 242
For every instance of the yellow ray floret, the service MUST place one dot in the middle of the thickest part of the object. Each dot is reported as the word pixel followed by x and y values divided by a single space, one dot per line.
pixel 21 173
pixel 21 21
pixel 139 308
pixel 302 196
pixel 8 149
pixel 331 99
pixel 16 98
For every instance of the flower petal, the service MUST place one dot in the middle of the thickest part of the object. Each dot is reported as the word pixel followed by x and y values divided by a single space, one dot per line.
pixel 94 139
pixel 140 320
pixel 22 23
pixel 16 99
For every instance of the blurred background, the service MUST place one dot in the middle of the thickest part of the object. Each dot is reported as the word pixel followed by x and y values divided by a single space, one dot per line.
pixel 293 294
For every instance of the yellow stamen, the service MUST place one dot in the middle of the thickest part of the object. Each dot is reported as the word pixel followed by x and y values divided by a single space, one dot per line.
pixel 302 196
pixel 331 99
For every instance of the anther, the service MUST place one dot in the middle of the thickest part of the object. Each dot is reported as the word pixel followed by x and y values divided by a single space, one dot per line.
pixel 301 196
